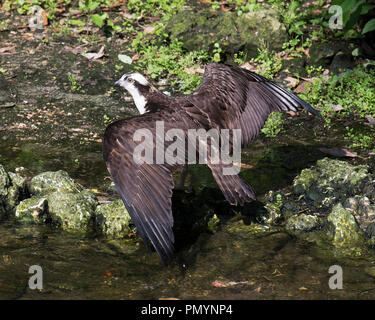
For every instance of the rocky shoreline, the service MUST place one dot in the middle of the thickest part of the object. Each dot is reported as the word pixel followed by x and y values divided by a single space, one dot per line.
pixel 331 203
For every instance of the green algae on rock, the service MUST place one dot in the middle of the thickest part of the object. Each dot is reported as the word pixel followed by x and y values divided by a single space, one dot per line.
pixel 12 189
pixel 4 181
pixel 33 210
pixel 347 232
pixel 331 181
pixel 72 211
pixel 49 181
pixel 253 30
pixel 112 219
pixel 303 222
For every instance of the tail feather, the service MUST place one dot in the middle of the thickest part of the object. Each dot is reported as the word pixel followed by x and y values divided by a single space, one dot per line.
pixel 236 190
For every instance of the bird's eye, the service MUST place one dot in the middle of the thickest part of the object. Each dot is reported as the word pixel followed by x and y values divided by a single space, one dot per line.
pixel 130 80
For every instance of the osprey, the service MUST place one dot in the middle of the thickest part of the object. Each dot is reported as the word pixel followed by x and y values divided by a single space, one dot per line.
pixel 228 98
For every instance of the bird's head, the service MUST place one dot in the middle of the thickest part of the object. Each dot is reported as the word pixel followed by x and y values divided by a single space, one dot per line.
pixel 138 86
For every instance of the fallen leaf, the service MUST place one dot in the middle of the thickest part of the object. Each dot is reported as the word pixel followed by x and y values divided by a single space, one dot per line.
pixel 76 50
pixel 7 105
pixel 169 299
pixel 257 290
pixel 5 49
pixel 148 29
pixel 302 87
pixel 225 9
pixel 125 59
pixel 292 113
pixel 45 18
pixel 339 152
pixel 291 82
pixel 336 107
pixel 243 165
pixel 192 70
pixel 248 66
pixel 135 57
pixel 307 52
pixel 218 284
pixel 94 56
pixel 126 15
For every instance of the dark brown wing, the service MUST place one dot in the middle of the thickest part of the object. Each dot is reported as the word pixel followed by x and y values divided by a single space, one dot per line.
pixel 146 189
pixel 232 97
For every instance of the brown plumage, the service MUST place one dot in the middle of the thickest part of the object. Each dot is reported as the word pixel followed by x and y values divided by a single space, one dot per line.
pixel 228 98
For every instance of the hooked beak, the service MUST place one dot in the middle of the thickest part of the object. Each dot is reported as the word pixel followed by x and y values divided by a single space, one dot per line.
pixel 117 83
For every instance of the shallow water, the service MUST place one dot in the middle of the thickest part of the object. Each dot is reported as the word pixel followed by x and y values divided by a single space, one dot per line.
pixel 51 129
pixel 226 266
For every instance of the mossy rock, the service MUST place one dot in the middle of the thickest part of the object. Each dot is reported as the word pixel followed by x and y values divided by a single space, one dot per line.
pixel 32 211
pixel 49 181
pixel 12 189
pixel 303 222
pixel 248 32
pixel 248 231
pixel 331 181
pixel 347 232
pixel 322 53
pixel 5 182
pixel 112 219
pixel 362 209
pixel 72 211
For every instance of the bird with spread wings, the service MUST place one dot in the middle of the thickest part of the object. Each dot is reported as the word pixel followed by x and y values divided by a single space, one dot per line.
pixel 228 98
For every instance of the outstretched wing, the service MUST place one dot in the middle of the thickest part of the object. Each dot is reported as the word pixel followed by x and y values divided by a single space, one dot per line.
pixel 235 98
pixel 146 189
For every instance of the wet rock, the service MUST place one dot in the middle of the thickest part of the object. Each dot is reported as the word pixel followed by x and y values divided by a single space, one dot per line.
pixel 48 182
pixel 273 213
pixel 370 230
pixel 293 66
pixel 4 182
pixel 331 181
pixel 213 223
pixel 304 222
pixel 370 271
pixel 248 32
pixel 3 212
pixel 322 54
pixel 32 211
pixel 72 211
pixel 112 219
pixel 247 231
pixel 347 232
pixel 12 189
pixel 341 62
pixel 18 189
pixel 362 208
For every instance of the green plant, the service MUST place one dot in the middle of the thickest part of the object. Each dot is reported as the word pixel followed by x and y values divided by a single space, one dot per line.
pixel 107 120
pixel 216 51
pixel 352 11
pixel 273 125
pixel 164 8
pixel 268 64
pixel 279 201
pixel 73 83
pixel 171 62
pixel 358 138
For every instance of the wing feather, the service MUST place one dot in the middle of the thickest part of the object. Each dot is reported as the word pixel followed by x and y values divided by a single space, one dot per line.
pixel 232 97
pixel 146 189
